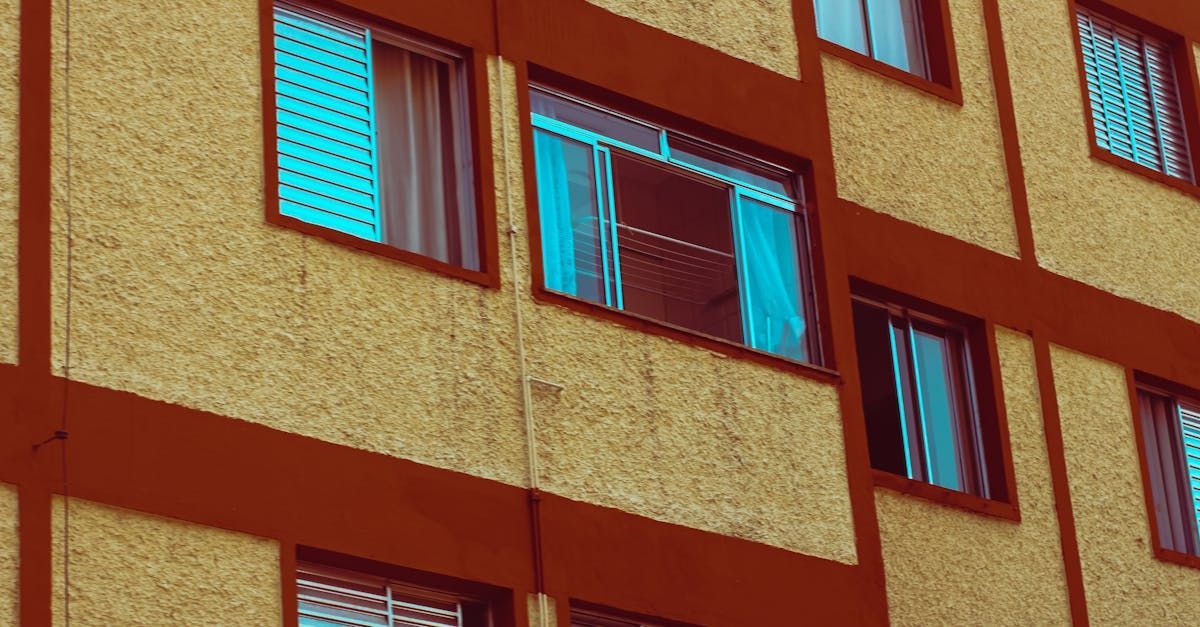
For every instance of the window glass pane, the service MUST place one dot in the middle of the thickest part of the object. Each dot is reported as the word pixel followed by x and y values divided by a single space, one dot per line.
pixel 424 208
pixel 716 161
pixel 675 248
pixel 841 21
pixel 934 364
pixel 572 259
pixel 877 374
pixel 896 34
pixel 775 312
pixel 593 119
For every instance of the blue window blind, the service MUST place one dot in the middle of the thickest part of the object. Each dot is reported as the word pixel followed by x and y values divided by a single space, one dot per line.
pixel 1189 420
pixel 328 170
pixel 1133 94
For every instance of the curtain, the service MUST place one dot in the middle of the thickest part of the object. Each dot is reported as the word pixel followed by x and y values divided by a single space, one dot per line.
pixel 896 34
pixel 841 21
pixel 773 280
pixel 566 181
pixel 1159 415
pixel 425 208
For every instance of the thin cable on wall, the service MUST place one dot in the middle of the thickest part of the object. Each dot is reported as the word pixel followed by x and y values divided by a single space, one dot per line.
pixel 66 531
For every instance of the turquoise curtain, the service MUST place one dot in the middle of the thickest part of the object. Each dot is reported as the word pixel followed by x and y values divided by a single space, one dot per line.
pixel 773 281
pixel 896 34
pixel 843 23
pixel 939 409
pixel 566 181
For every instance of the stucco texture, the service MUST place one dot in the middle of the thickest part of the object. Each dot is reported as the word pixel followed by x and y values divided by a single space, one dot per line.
pixel 10 11
pixel 946 566
pixel 1125 584
pixel 762 32
pixel 128 568
pixel 905 152
pixel 1092 221
pixel 181 292
pixel 10 555
pixel 678 433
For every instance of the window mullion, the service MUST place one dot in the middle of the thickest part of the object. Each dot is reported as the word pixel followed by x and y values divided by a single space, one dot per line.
pixel 870 32
pixel 740 255
pixel 614 294
pixel 922 425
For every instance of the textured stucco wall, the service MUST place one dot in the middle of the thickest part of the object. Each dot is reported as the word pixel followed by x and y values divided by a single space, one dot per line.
pixel 128 568
pixel 10 557
pixel 180 292
pixel 905 152
pixel 1092 221
pixel 946 566
pixel 759 31
pixel 1124 584
pixel 10 11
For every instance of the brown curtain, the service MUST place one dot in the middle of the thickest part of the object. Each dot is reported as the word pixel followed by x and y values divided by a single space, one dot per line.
pixel 422 165
pixel 1168 481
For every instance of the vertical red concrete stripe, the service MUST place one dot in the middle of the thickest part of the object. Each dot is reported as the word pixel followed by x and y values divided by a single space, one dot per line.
pixel 834 281
pixel 35 555
pixel 1072 565
pixel 290 606
pixel 1008 131
pixel 33 246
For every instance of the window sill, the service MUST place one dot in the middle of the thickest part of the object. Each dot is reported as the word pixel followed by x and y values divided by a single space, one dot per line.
pixel 1178 184
pixel 1175 557
pixel 946 496
pixel 951 93
pixel 486 279
pixel 687 336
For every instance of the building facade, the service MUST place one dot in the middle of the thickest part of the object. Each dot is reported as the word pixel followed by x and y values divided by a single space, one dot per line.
pixel 599 312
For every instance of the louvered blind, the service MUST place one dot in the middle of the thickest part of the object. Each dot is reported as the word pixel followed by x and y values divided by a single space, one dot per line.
pixel 1190 429
pixel 325 122
pixel 335 597
pixel 1134 96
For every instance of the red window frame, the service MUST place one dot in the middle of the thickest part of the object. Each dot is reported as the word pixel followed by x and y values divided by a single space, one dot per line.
pixel 479 115
pixel 825 373
pixel 1184 59
pixel 940 53
pixel 990 423
pixel 1138 381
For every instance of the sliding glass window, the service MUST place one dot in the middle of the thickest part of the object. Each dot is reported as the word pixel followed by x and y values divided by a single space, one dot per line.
pixel 642 219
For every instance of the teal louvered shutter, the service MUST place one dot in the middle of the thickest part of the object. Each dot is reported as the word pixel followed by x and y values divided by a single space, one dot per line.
pixel 324 107
pixel 1190 430
pixel 1133 94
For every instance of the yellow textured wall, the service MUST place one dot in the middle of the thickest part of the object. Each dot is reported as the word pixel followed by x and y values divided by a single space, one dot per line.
pixel 128 568
pixel 759 31
pixel 10 11
pixel 1124 584
pixel 1092 221
pixel 947 566
pixel 10 558
pixel 180 292
pixel 905 152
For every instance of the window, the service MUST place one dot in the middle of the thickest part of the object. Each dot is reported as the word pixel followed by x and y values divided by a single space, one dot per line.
pixel 588 618
pixel 891 31
pixel 330 596
pixel 1134 95
pixel 1171 441
pixel 372 135
pixel 645 220
pixel 925 398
